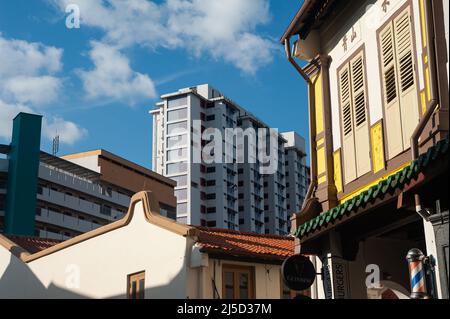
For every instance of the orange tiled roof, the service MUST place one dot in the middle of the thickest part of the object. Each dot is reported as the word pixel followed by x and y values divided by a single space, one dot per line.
pixel 219 241
pixel 241 244
pixel 33 244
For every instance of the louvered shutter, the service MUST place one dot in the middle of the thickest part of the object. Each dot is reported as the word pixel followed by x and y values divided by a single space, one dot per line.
pixel 361 123
pixel 391 93
pixel 407 83
pixel 348 136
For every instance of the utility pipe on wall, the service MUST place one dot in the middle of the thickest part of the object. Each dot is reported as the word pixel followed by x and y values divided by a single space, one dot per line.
pixel 312 120
pixel 434 100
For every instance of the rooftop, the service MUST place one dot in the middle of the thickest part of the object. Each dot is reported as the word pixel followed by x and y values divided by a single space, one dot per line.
pixel 33 244
pixel 242 244
pixel 121 162
pixel 214 241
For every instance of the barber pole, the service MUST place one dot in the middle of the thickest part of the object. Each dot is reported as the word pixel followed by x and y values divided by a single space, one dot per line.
pixel 416 260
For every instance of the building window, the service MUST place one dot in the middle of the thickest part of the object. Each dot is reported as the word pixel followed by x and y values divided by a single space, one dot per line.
pixel 396 47
pixel 177 141
pixel 210 196
pixel 136 286
pixel 177 168
pixel 211 224
pixel 105 210
pixel 181 180
pixel 354 118
pixel 181 194
pixel 177 102
pixel 238 282
pixel 182 208
pixel 210 117
pixel 177 155
pixel 177 128
pixel 177 115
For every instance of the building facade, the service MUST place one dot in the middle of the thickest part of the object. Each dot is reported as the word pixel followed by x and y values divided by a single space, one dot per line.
pixel 377 73
pixel 297 179
pixel 234 195
pixel 68 199
pixel 145 255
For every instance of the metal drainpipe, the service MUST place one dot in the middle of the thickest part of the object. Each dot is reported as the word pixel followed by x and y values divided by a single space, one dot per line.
pixel 312 120
pixel 432 105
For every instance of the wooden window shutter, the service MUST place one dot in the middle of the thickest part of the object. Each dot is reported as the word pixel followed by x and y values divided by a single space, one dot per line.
pixel 360 111
pixel 347 125
pixel 405 65
pixel 391 92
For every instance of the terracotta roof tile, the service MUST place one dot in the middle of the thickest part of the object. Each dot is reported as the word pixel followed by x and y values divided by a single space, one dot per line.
pixel 33 244
pixel 241 244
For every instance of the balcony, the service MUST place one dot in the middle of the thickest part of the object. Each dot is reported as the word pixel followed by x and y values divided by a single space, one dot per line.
pixel 60 220
pixel 61 178
pixel 77 204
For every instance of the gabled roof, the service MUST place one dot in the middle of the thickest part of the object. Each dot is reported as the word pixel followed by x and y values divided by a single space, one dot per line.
pixel 391 184
pixel 245 245
pixel 220 242
pixel 29 249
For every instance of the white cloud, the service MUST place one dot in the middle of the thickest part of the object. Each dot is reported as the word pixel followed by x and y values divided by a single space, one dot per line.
pixel 28 82
pixel 112 77
pixel 27 72
pixel 223 29
pixel 23 58
pixel 68 131
pixel 39 90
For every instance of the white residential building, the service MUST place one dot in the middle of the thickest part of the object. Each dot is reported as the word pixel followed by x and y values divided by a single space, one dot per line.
pixel 230 196
pixel 296 171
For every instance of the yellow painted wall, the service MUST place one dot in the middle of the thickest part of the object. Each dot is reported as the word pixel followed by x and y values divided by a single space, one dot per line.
pixel 376 137
pixel 337 171
pixel 318 105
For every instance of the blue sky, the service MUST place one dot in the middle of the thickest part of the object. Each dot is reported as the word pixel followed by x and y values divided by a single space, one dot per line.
pixel 96 84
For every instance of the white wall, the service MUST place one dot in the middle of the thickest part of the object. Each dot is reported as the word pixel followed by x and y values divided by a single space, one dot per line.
pixel 103 264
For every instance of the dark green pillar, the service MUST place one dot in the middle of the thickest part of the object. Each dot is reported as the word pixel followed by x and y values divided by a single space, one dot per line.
pixel 23 175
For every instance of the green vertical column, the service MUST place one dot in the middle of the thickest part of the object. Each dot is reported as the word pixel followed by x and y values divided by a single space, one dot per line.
pixel 23 175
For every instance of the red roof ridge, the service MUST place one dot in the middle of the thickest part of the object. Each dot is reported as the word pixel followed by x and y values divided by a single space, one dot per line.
pixel 238 232
pixel 33 244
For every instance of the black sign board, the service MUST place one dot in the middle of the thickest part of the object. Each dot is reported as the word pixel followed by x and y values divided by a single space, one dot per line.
pixel 298 273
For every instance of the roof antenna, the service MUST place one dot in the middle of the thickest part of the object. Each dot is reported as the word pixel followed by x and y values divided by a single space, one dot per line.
pixel 55 148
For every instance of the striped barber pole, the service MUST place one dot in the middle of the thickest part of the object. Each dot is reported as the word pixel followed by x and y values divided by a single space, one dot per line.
pixel 417 277
pixel 416 259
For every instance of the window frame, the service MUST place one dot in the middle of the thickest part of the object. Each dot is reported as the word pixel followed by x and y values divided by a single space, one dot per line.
pixel 237 270
pixel 360 51
pixel 135 277
pixel 390 21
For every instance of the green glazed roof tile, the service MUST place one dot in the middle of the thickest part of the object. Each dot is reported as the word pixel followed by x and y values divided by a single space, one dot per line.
pixel 391 183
